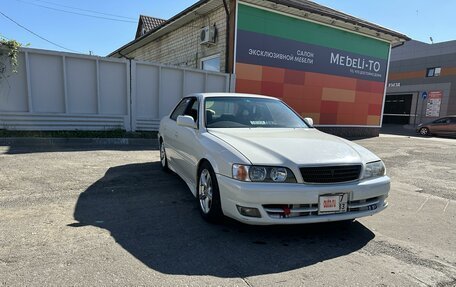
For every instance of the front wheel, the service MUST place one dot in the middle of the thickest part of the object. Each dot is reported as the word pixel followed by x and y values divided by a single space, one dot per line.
pixel 208 194
pixel 163 159
pixel 424 132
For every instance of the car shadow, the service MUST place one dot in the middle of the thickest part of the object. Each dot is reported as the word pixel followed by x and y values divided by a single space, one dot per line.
pixel 153 216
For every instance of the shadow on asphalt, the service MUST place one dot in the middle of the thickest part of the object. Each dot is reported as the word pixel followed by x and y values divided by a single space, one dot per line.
pixel 399 130
pixel 154 217
pixel 404 130
pixel 22 149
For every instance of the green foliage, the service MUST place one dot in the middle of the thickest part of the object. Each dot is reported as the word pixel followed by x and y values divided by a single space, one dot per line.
pixel 9 49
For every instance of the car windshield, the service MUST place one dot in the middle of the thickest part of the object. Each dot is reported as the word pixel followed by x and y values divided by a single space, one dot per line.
pixel 249 112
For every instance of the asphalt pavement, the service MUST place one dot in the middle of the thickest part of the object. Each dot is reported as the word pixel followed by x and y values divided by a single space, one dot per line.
pixel 108 216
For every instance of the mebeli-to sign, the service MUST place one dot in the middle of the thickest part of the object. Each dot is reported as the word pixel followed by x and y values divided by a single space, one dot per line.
pixel 335 76
pixel 259 49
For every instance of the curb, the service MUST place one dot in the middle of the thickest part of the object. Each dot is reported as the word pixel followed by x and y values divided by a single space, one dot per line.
pixel 77 141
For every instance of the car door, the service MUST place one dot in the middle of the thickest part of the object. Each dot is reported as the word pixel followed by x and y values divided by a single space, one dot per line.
pixel 440 126
pixel 453 125
pixel 170 132
pixel 187 143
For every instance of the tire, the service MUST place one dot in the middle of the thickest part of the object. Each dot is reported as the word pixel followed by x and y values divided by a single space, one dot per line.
pixel 163 159
pixel 424 132
pixel 208 194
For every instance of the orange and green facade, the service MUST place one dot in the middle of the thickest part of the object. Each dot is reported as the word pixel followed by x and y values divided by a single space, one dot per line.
pixel 335 76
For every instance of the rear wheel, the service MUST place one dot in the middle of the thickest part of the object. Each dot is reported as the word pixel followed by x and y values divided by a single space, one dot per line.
pixel 208 194
pixel 424 132
pixel 163 159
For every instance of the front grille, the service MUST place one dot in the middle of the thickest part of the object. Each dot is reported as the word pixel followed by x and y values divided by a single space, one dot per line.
pixel 284 211
pixel 290 210
pixel 363 205
pixel 330 174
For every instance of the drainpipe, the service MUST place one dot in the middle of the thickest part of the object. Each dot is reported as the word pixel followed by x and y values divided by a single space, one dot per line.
pixel 227 44
pixel 398 45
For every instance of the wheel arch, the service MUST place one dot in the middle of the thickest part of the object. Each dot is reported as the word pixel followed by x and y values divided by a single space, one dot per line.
pixel 210 161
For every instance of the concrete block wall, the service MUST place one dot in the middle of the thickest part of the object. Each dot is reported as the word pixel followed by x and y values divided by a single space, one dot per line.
pixel 182 46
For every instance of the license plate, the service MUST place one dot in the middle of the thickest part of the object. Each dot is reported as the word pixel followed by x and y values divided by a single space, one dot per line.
pixel 336 203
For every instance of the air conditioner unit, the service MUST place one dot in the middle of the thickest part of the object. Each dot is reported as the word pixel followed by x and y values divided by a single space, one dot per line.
pixel 208 35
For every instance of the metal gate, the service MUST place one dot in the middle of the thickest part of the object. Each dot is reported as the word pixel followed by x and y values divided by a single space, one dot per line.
pixel 397 109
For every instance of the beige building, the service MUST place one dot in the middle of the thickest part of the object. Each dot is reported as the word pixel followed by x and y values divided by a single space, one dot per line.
pixel 178 40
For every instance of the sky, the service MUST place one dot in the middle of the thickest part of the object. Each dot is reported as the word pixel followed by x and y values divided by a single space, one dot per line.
pixel 102 26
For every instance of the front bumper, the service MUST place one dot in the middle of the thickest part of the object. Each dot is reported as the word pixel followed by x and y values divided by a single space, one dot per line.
pixel 364 198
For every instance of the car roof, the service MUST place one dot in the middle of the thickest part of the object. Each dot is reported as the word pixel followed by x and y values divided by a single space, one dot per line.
pixel 449 116
pixel 233 95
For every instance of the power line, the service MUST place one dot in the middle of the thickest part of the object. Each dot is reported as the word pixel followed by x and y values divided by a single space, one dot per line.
pixel 76 13
pixel 86 10
pixel 55 44
pixel 4 37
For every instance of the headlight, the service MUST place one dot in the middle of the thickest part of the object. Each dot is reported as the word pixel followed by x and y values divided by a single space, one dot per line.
pixel 262 173
pixel 257 173
pixel 373 169
pixel 278 174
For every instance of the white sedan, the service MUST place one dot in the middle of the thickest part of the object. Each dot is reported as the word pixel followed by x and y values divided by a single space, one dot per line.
pixel 252 158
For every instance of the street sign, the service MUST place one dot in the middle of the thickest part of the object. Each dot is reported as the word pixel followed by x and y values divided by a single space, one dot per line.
pixel 424 95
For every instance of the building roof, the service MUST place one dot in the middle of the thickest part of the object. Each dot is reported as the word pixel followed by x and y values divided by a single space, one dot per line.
pixel 416 49
pixel 312 8
pixel 147 23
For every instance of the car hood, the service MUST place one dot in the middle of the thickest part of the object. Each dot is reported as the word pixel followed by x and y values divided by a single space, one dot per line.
pixel 263 146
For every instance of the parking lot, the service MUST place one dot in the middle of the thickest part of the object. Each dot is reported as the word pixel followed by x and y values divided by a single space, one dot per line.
pixel 93 215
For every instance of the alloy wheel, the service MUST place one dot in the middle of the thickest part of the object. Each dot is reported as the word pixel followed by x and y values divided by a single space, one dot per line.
pixel 205 191
pixel 162 155
pixel 424 131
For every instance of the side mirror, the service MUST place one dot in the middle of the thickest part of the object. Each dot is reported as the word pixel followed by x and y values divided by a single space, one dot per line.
pixel 310 121
pixel 186 121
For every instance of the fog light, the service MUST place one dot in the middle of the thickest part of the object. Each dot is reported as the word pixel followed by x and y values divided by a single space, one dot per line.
pixel 248 211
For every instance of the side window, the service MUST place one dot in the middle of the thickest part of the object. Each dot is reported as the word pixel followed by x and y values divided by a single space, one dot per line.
pixel 441 121
pixel 453 120
pixel 193 110
pixel 180 108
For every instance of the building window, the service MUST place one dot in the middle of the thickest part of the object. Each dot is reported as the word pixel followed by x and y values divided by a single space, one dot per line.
pixel 211 63
pixel 433 72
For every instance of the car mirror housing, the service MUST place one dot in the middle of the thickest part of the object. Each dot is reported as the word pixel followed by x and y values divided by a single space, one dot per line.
pixel 310 121
pixel 186 121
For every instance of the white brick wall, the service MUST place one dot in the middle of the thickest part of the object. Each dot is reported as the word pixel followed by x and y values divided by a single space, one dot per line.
pixel 182 47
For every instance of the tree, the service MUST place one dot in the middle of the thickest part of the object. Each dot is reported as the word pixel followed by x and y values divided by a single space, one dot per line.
pixel 9 50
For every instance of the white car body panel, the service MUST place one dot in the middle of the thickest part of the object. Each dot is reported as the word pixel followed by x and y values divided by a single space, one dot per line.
pixel 256 195
pixel 282 146
pixel 286 147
